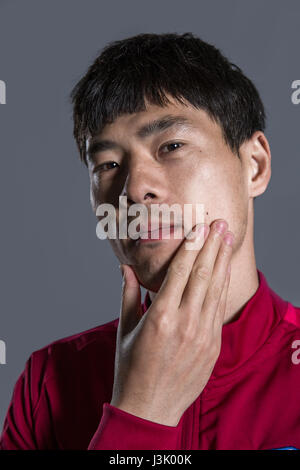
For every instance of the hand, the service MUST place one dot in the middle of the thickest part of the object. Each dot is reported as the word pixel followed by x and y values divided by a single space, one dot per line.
pixel 165 357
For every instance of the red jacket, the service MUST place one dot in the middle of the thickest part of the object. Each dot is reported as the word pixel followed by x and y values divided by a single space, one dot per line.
pixel 251 401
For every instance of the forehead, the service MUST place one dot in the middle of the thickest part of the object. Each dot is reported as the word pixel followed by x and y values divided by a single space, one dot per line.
pixel 156 119
pixel 190 116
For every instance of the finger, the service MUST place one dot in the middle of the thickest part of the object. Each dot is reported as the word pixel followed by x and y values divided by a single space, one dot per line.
pixel 130 312
pixel 201 273
pixel 216 286
pixel 179 269
pixel 221 311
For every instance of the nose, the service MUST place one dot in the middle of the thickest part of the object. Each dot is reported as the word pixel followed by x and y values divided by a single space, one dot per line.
pixel 145 182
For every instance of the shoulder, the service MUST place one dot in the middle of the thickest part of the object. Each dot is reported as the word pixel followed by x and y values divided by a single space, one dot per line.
pixel 41 360
pixel 292 315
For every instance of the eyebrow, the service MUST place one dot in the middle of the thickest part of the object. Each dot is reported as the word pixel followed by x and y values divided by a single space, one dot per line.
pixel 148 129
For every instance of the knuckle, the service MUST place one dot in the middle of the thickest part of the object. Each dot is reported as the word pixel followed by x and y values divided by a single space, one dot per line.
pixel 189 333
pixel 226 249
pixel 215 291
pixel 160 323
pixel 201 272
pixel 160 308
pixel 178 268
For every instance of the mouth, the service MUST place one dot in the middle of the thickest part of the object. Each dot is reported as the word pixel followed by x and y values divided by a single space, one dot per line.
pixel 154 236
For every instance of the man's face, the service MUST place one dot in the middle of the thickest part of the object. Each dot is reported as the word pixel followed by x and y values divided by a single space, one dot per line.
pixel 181 164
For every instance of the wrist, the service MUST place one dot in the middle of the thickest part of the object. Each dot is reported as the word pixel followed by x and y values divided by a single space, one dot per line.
pixel 152 416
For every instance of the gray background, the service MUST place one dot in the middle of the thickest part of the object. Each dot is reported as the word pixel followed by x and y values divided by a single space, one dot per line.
pixel 57 277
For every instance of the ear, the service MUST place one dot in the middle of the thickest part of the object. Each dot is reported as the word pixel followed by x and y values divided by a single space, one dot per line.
pixel 92 199
pixel 257 154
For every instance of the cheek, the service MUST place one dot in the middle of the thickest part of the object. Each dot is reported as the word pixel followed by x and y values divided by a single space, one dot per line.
pixel 199 182
pixel 118 250
pixel 222 192
pixel 232 203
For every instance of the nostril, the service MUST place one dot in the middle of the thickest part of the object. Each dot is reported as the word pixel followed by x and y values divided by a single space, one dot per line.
pixel 147 197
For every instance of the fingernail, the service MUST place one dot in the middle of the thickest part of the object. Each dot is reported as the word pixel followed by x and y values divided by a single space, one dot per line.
pixel 221 226
pixel 228 238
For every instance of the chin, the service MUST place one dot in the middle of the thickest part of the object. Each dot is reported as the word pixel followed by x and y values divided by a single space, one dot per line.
pixel 152 271
pixel 152 281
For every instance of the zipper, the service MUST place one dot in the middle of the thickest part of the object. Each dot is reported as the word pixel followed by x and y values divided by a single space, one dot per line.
pixel 190 428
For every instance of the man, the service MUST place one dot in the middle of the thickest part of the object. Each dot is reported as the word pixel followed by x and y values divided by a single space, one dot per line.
pixel 208 360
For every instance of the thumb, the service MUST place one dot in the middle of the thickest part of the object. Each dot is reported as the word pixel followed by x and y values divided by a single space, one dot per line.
pixel 131 312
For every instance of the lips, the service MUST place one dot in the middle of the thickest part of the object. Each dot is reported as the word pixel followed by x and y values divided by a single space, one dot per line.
pixel 165 232
pixel 160 229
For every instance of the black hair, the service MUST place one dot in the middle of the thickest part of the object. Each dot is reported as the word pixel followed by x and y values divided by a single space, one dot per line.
pixel 153 65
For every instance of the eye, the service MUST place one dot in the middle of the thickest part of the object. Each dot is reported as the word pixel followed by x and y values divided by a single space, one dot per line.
pixel 103 165
pixel 171 145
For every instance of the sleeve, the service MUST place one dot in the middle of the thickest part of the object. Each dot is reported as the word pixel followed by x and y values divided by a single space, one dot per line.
pixel 119 430
pixel 18 428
